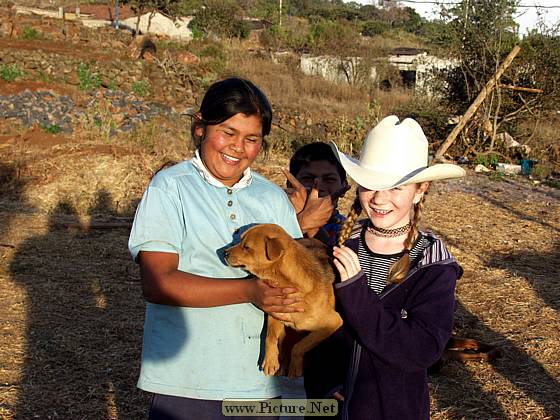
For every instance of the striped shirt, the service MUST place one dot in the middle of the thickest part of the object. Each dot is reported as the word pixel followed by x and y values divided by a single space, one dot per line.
pixel 377 266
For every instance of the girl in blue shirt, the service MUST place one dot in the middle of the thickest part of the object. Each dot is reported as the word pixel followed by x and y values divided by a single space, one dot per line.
pixel 204 319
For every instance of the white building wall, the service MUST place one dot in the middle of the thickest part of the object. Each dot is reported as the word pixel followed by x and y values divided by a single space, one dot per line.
pixel 335 69
pixel 344 70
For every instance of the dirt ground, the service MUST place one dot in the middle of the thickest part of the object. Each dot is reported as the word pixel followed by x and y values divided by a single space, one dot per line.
pixel 71 309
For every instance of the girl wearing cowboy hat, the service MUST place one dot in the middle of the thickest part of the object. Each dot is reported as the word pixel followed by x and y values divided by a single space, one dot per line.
pixel 396 293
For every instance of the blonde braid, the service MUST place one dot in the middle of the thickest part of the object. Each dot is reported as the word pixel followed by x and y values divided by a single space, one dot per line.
pixel 399 269
pixel 353 215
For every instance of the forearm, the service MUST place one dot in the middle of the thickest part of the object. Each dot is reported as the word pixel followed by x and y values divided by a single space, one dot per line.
pixel 179 288
pixel 164 283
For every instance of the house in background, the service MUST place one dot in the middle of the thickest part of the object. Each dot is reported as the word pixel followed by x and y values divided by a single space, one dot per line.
pixel 418 70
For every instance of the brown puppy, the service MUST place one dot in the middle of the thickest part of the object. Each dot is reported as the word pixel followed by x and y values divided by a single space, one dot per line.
pixel 269 253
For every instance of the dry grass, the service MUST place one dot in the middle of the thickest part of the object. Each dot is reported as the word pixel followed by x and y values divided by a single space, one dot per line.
pixel 292 91
pixel 72 309
pixel 395 39
pixel 390 101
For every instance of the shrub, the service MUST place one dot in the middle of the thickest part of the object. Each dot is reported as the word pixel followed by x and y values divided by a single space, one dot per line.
pixel 30 32
pixel 10 72
pixel 141 88
pixel 374 27
pixel 88 80
pixel 241 29
pixel 487 160
pixel 334 38
pixel 52 129
pixel 278 37
pixel 220 18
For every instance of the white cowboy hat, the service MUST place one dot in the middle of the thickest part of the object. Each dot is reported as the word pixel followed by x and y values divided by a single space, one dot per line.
pixel 395 153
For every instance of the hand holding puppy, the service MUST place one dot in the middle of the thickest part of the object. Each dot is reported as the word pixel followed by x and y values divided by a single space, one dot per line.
pixel 274 299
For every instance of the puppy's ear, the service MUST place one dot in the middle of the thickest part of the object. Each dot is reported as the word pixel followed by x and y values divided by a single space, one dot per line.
pixel 273 249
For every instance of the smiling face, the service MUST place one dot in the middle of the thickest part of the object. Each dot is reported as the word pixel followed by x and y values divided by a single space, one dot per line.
pixel 228 148
pixel 391 209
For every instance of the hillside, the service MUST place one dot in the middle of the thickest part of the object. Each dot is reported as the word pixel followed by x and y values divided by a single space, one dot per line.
pixel 83 127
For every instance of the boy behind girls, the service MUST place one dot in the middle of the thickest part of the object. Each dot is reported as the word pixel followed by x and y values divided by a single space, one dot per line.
pixel 314 165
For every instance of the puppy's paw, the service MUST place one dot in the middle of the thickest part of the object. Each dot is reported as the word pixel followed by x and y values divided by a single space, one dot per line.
pixel 270 365
pixel 296 369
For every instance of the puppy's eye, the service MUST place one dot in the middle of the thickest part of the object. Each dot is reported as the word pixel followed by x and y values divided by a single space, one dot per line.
pixel 246 247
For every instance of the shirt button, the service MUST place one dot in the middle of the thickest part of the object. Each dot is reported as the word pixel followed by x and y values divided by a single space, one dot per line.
pixel 229 191
pixel 230 203
pixel 232 216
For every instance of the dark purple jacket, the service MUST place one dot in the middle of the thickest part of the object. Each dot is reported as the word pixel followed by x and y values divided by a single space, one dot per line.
pixel 388 341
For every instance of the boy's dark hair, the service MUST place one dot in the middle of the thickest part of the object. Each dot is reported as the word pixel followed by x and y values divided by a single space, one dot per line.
pixel 228 97
pixel 313 152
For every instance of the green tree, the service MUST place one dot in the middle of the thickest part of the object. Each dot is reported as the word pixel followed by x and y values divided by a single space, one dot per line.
pixel 222 18
pixel 482 33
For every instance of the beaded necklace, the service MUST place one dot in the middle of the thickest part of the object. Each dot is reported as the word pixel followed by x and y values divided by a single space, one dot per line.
pixel 389 233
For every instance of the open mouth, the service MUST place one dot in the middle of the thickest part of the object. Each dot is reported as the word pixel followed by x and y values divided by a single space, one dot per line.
pixel 230 160
pixel 380 212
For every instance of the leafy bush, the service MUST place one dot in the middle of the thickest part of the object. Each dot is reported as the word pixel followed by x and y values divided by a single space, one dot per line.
pixel 374 27
pixel 222 18
pixel 283 37
pixel 52 129
pixel 30 33
pixel 10 72
pixel 487 160
pixel 334 38
pixel 141 88
pixel 241 29
pixel 88 80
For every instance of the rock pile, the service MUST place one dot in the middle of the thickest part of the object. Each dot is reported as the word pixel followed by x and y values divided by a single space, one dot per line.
pixel 54 111
pixel 43 108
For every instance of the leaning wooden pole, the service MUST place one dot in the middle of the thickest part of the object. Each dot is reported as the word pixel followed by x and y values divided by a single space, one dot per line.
pixel 490 85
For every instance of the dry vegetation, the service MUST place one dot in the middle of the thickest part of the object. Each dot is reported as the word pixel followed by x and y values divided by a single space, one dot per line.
pixel 71 310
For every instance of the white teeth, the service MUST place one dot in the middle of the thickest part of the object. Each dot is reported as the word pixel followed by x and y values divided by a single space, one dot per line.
pixel 381 211
pixel 230 158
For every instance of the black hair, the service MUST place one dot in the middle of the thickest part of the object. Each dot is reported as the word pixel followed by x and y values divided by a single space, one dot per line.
pixel 313 152
pixel 229 97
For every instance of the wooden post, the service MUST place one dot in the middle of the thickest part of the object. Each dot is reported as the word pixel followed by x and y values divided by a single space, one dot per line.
pixel 490 85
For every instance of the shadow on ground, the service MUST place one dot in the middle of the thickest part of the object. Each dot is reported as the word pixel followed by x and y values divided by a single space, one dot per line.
pixel 529 264
pixel 84 322
pixel 516 366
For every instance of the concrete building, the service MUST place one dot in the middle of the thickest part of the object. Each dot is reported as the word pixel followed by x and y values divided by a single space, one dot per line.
pixel 418 69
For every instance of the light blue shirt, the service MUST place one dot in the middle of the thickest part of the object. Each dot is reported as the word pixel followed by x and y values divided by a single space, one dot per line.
pixel 205 353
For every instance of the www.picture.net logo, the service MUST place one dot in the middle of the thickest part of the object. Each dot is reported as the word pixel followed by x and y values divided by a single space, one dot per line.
pixel 280 407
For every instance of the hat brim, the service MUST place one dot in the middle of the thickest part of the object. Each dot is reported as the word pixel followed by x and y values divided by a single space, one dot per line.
pixel 377 180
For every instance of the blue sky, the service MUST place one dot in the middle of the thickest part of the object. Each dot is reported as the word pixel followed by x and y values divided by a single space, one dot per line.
pixel 527 17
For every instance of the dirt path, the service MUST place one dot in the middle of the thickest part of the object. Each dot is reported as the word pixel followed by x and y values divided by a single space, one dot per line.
pixel 59 47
